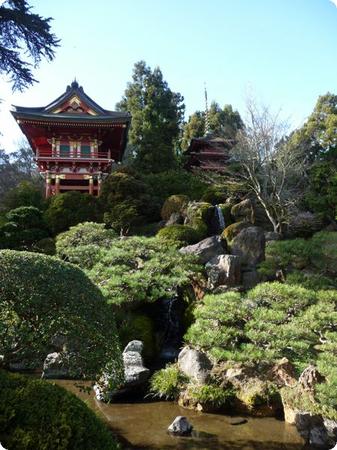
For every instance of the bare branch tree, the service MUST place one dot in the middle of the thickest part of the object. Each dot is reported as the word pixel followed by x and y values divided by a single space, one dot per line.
pixel 272 170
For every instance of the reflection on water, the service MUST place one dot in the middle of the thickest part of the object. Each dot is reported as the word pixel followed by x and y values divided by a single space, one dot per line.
pixel 143 426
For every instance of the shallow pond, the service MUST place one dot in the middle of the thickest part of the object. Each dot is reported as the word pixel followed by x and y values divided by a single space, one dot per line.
pixel 143 426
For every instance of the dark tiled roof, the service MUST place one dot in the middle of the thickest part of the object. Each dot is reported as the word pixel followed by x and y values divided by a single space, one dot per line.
pixel 45 112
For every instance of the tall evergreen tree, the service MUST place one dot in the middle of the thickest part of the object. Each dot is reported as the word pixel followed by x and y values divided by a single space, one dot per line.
pixel 23 35
pixel 222 123
pixel 157 114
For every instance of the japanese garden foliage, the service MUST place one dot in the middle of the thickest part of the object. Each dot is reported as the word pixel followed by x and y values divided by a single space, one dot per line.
pixel 35 414
pixel 44 300
pixel 157 113
pixel 134 270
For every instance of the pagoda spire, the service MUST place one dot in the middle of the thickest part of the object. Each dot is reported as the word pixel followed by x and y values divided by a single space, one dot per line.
pixel 206 112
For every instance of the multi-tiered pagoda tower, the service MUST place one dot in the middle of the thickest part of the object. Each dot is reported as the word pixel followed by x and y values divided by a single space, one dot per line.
pixel 75 141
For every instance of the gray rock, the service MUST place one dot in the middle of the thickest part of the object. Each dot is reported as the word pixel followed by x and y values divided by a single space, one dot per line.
pixel 206 249
pixel 223 270
pixel 309 378
pixel 180 426
pixel 331 428
pixel 53 367
pixel 194 364
pixel 135 374
pixel 249 245
pixel 311 428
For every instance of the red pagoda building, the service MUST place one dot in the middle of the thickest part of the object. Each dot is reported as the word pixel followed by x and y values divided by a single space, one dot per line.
pixel 208 153
pixel 75 140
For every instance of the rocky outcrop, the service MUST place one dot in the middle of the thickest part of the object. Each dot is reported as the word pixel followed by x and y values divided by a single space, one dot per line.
pixel 175 219
pixel 283 373
pixel 223 270
pixel 272 236
pixel 309 378
pixel 180 426
pixel 194 364
pixel 54 366
pixel 249 245
pixel 205 249
pixel 135 374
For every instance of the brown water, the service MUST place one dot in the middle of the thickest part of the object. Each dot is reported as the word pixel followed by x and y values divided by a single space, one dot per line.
pixel 143 426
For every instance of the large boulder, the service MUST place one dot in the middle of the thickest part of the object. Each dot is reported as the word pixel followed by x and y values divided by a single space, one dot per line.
pixel 249 245
pixel 223 270
pixel 54 367
pixel 194 364
pixel 250 277
pixel 309 378
pixel 174 204
pixel 135 374
pixel 198 215
pixel 205 249
pixel 283 373
pixel 180 426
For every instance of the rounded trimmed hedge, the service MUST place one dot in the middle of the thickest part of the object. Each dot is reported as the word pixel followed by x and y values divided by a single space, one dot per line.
pixel 43 298
pixel 35 414
pixel 182 234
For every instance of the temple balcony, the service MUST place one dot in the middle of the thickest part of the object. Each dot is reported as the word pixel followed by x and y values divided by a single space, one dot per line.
pixel 71 156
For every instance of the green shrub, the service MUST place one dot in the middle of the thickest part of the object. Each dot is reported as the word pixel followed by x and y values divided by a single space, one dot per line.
pixel 215 195
pixel 174 182
pixel 230 232
pixel 323 252
pixel 42 298
pixel 173 204
pixel 86 233
pixel 36 415
pixel 137 270
pixel 209 395
pixel 219 324
pixel 23 228
pixel 181 234
pixel 167 383
pixel 69 209
pixel 127 201
pixel 26 193
pixel 311 280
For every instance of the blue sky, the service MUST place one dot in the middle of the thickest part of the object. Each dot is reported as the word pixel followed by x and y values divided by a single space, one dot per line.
pixel 282 50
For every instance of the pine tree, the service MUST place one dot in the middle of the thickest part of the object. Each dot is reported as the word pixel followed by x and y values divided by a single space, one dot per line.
pixel 157 114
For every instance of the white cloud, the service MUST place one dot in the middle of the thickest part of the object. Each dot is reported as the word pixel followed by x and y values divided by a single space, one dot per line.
pixel 334 2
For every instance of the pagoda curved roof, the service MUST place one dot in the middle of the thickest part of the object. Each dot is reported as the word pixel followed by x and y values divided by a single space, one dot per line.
pixel 53 111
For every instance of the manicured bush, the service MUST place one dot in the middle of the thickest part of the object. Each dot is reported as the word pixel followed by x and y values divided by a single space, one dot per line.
pixel 173 204
pixel 23 228
pixel 69 209
pixel 180 234
pixel 86 233
pixel 167 383
pixel 41 299
pixel 323 252
pixel 137 270
pixel 36 415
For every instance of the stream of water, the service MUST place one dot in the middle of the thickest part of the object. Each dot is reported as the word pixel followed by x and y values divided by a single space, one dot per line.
pixel 142 426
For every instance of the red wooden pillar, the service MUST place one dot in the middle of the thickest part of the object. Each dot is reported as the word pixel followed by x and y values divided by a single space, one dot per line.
pixel 91 186
pixel 48 180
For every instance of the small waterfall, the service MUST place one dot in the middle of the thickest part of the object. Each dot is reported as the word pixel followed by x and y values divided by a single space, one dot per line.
pixel 220 218
pixel 171 326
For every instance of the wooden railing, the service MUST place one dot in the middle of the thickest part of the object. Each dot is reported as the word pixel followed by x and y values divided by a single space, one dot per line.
pixel 72 155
